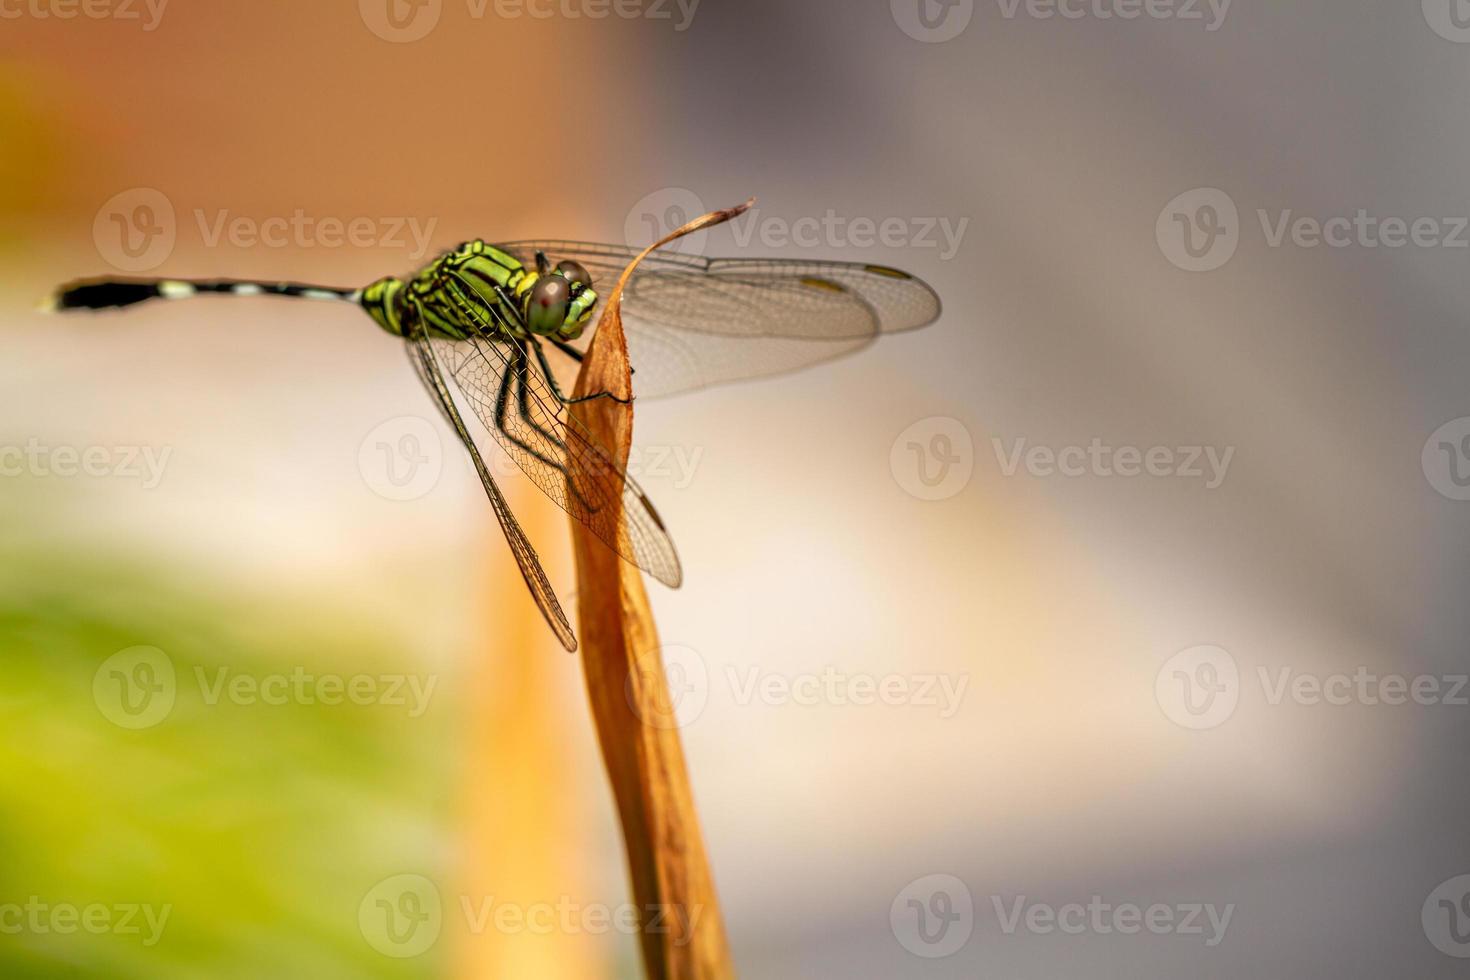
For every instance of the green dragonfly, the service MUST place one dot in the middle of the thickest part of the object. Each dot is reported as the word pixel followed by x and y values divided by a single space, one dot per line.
pixel 504 328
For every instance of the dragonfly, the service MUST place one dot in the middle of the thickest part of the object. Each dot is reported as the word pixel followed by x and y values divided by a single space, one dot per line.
pixel 502 328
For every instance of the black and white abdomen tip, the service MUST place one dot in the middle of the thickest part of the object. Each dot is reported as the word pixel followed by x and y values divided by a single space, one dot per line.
pixel 104 294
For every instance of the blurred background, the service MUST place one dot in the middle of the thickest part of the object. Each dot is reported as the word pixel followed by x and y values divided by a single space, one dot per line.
pixel 1111 627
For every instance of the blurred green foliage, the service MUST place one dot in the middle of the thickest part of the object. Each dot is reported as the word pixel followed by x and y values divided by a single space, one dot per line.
pixel 260 827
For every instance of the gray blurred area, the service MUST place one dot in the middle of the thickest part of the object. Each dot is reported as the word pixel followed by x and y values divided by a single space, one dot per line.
pixel 1326 549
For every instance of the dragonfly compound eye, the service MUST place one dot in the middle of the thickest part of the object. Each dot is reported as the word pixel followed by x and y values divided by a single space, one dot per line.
pixel 574 272
pixel 547 309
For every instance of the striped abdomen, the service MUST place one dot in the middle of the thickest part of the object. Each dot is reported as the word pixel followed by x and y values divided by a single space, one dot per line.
pixel 101 294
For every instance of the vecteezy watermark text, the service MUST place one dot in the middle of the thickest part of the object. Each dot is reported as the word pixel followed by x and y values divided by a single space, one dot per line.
pixel 567 916
pixel 138 687
pixel 302 230
pixel 936 21
pixel 403 458
pixel 667 209
pixel 1102 918
pixel 934 917
pixel 940 234
pixel 690 685
pixel 148 12
pixel 1200 230
pixel 1209 464
pixel 1211 13
pixel 679 12
pixel 136 230
pixel 410 691
pixel 1201 687
pixel 840 688
pixel 403 916
pixel 145 464
pixel 405 21
pixel 38 917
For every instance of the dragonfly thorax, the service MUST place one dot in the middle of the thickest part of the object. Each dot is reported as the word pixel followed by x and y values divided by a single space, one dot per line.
pixel 383 301
pixel 478 289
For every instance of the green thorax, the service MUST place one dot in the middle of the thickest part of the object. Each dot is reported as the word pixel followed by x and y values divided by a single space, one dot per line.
pixel 475 290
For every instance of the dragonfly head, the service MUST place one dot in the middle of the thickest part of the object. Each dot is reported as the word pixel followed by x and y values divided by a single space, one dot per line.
pixel 560 303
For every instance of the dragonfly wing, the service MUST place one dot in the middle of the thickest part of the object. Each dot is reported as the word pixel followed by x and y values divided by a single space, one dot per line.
pixel 512 399
pixel 692 322
pixel 422 358
pixel 670 361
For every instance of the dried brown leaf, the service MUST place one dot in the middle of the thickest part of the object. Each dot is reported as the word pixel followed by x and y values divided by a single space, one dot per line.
pixel 630 697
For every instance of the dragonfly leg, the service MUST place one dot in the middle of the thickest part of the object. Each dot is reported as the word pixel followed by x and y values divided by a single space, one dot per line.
pixel 502 405
pixel 522 366
pixel 523 398
pixel 567 349
pixel 556 389
pixel 531 571
pixel 575 354
pixel 510 308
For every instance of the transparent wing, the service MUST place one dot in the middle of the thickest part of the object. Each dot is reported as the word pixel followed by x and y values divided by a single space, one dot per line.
pixel 507 392
pixel 422 358
pixel 693 322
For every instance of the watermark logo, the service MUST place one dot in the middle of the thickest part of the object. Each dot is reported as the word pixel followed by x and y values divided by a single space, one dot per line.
pixel 1199 230
pixel 404 916
pixel 149 13
pixel 401 459
pixel 933 916
pixel 831 230
pixel 1446 917
pixel 1211 13
pixel 1450 19
pixel 1201 687
pixel 1207 464
pixel 38 917
pixel 1198 688
pixel 135 230
pixel 834 687
pixel 1446 459
pixel 678 12
pixel 135 688
pixel 306 231
pixel 936 21
pixel 692 685
pixel 411 692
pixel 933 459
pixel 146 464
pixel 401 916
pixel 138 687
pixel 664 212
pixel 1363 686
pixel 678 703
pixel 401 21
pixel 932 21
pixel 405 21
pixel 1100 917
pixel 567 917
